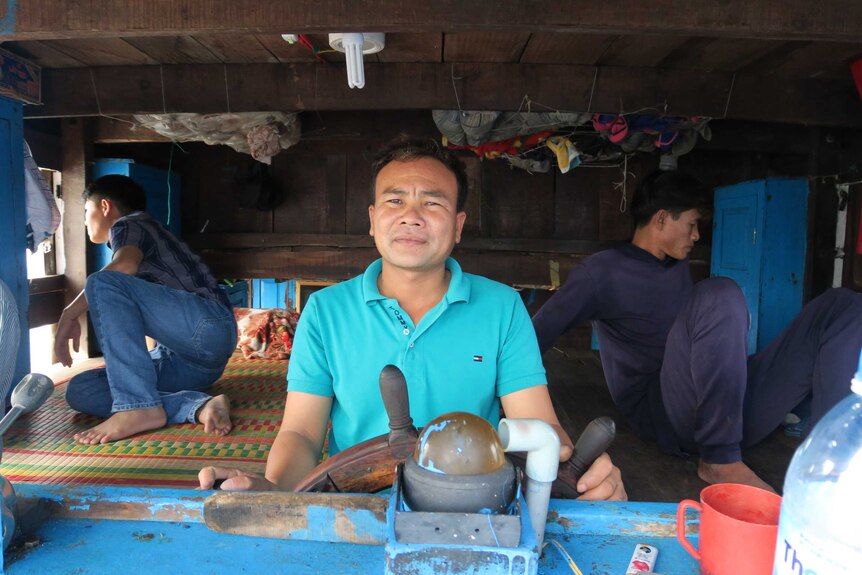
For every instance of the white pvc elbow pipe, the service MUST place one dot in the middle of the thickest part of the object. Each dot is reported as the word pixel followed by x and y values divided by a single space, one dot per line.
pixel 542 445
pixel 539 440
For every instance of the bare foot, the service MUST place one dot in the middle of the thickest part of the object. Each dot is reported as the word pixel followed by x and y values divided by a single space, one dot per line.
pixel 123 424
pixel 737 472
pixel 215 415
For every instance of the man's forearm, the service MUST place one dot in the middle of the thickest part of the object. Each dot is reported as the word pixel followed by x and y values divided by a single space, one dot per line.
pixel 77 308
pixel 291 458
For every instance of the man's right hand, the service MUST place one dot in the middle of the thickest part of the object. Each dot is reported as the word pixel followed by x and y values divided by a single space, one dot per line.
pixel 67 328
pixel 233 480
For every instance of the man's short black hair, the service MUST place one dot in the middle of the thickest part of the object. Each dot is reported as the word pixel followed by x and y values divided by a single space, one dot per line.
pixel 126 194
pixel 673 191
pixel 405 149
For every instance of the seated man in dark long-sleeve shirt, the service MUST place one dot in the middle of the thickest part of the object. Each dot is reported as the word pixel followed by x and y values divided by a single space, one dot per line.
pixel 674 353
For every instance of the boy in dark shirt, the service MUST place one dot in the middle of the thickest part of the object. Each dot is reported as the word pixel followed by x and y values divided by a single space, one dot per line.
pixel 674 353
pixel 154 286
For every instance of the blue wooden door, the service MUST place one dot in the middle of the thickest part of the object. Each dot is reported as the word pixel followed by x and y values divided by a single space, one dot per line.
pixel 784 240
pixel 736 249
pixel 268 293
pixel 13 223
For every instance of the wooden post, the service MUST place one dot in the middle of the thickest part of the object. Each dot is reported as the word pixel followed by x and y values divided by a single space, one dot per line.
pixel 77 151
pixel 13 222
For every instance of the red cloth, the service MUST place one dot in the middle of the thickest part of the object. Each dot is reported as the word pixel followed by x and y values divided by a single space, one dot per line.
pixel 856 71
pixel 512 146
pixel 265 333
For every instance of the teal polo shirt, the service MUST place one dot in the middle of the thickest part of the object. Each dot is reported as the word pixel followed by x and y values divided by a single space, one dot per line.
pixel 475 346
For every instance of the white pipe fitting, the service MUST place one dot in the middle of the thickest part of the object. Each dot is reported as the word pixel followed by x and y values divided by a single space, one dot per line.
pixel 539 440
pixel 542 445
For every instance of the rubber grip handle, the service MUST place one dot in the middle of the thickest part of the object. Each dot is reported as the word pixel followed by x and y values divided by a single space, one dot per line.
pixel 594 441
pixel 393 389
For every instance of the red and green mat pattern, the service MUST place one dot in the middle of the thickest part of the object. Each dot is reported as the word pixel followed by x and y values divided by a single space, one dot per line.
pixel 39 447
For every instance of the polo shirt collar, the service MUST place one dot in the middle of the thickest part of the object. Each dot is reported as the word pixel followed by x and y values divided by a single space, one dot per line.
pixel 459 284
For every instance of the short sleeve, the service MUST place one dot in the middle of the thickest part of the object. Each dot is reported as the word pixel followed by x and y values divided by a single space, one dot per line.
pixel 520 363
pixel 308 370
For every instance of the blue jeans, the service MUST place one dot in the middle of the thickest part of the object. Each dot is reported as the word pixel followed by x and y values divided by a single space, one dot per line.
pixel 196 338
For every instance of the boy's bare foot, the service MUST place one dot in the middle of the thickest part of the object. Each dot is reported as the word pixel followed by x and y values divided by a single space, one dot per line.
pixel 123 424
pixel 737 472
pixel 215 415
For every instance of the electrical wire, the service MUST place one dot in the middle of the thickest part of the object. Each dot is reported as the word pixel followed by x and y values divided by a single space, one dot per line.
pixel 572 565
pixel 303 39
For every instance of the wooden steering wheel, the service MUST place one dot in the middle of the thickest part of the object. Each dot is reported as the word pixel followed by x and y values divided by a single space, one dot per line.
pixel 369 467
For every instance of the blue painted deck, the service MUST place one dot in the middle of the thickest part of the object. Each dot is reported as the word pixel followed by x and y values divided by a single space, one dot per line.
pixel 137 530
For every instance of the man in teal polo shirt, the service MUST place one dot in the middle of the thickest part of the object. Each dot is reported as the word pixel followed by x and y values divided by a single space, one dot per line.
pixel 452 362
pixel 464 343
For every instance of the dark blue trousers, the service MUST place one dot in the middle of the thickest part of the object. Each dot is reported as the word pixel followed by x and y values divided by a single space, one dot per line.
pixel 718 399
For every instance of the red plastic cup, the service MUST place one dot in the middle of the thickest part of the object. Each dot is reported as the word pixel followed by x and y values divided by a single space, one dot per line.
pixel 738 529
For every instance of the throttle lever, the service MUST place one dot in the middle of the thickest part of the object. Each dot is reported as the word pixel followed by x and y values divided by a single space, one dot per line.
pixel 595 440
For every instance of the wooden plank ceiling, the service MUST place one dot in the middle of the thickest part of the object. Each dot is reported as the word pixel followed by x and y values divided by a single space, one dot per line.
pixel 779 61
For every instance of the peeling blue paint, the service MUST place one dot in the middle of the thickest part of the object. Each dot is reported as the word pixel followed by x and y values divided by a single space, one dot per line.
pixel 600 537
pixel 8 20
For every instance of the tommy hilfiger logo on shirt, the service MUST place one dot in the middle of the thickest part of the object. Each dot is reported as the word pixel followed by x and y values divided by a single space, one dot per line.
pixel 478 358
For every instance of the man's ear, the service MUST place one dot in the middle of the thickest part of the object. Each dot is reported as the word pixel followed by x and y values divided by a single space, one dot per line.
pixel 106 206
pixel 371 220
pixel 660 217
pixel 459 225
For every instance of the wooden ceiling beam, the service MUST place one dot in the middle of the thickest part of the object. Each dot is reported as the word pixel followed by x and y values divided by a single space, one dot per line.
pixel 209 89
pixel 830 20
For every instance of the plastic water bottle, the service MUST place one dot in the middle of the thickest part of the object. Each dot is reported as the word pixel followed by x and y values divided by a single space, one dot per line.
pixel 819 530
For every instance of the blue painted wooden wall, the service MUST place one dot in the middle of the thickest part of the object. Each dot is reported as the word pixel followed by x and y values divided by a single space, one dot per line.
pixel 268 293
pixel 13 221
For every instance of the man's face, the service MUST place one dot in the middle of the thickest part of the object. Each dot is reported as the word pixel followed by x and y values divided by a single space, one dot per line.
pixel 414 219
pixel 96 220
pixel 679 235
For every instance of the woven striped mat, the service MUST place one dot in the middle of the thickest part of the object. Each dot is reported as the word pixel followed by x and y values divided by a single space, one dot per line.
pixel 39 447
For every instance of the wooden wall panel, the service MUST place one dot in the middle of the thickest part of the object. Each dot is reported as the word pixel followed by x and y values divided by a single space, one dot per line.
pixel 544 48
pixel 473 207
pixel 314 202
pixel 484 46
pixel 174 50
pixel 639 50
pixel 357 195
pixel 615 221
pixel 336 180
pixel 412 47
pixel 101 52
pixel 576 204
pixel 235 49
pixel 221 173
pixel 516 204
